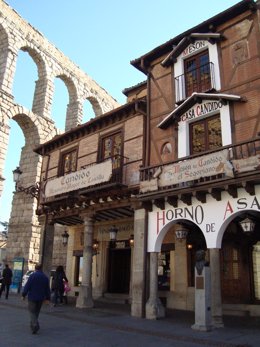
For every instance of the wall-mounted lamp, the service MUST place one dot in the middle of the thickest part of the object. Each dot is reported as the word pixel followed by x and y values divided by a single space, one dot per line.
pixel 181 233
pixel 32 190
pixel 247 225
pixel 95 247
pixel 131 240
pixel 65 236
pixel 189 246
pixel 113 233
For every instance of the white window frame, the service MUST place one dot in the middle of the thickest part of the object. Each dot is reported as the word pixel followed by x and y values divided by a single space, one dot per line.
pixel 213 58
pixel 183 129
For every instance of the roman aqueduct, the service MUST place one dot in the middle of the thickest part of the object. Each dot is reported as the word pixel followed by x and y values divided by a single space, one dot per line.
pixel 16 34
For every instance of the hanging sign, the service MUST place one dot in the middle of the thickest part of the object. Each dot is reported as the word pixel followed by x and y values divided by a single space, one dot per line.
pixel 94 174
pixel 246 164
pixel 193 169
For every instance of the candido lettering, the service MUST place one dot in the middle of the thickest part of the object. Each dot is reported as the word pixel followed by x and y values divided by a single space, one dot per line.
pixel 200 110
pixel 80 175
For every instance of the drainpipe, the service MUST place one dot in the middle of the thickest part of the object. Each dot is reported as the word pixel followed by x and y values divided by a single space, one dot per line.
pixel 148 127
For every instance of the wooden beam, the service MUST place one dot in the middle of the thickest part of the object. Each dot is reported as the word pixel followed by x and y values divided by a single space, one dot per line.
pixel 215 193
pixel 173 201
pixel 147 205
pixel 186 198
pixel 160 203
pixel 232 190
pixel 249 188
pixel 201 196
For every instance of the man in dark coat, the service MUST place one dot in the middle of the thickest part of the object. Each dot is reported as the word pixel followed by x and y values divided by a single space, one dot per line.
pixel 38 290
pixel 6 281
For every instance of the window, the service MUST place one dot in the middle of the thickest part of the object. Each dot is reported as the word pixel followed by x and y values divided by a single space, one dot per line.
pixel 69 162
pixel 197 73
pixel 205 135
pixel 78 270
pixel 112 148
pixel 164 272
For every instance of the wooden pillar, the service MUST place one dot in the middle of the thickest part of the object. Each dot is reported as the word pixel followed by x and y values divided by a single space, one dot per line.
pixel 216 301
pixel 85 299
pixel 154 307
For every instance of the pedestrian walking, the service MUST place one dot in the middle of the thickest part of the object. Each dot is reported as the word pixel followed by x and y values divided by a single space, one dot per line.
pixel 58 284
pixel 6 281
pixel 38 290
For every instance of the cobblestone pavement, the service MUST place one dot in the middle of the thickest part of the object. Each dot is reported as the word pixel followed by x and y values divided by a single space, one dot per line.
pixel 112 326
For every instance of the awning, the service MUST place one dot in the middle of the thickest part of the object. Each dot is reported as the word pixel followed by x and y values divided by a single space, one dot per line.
pixel 191 101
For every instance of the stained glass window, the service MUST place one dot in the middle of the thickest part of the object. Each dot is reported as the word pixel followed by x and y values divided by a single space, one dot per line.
pixel 197 73
pixel 69 162
pixel 205 135
pixel 112 148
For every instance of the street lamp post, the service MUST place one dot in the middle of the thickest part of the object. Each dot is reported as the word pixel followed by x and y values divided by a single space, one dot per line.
pixel 65 238
pixel 32 190
pixel 113 233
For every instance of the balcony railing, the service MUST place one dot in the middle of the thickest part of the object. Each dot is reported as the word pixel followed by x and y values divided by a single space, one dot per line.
pixel 198 80
pixel 241 160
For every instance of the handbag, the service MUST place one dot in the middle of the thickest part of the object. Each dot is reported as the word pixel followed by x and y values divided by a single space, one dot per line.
pixel 66 287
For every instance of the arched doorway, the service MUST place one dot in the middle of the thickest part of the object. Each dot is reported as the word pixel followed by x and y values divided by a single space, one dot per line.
pixel 239 264
pixel 176 263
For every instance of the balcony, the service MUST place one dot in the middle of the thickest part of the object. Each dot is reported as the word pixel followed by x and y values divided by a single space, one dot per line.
pixel 197 80
pixel 113 182
pixel 212 172
pixel 104 176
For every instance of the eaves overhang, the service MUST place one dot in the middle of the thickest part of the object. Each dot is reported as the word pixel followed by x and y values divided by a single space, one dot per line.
pixel 142 63
pixel 99 122
pixel 141 85
pixel 186 41
pixel 191 101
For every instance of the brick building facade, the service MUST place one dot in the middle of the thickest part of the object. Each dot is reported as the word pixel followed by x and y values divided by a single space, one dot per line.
pixel 176 170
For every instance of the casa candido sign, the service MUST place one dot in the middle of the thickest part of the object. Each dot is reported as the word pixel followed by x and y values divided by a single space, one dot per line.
pixel 94 174
pixel 201 109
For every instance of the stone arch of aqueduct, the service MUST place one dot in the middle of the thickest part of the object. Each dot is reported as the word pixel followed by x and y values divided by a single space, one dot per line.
pixel 16 34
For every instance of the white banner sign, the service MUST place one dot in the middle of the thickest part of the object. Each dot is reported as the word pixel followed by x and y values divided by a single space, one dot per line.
pixel 246 164
pixel 148 186
pixel 90 176
pixel 193 169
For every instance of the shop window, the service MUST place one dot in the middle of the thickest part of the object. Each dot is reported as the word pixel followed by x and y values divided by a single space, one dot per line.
pixel 164 272
pixel 112 147
pixel 256 269
pixel 68 162
pixel 78 270
pixel 205 135
pixel 197 73
pixel 164 266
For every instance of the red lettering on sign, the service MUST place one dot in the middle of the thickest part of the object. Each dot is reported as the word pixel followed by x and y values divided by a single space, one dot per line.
pixel 160 219
pixel 228 209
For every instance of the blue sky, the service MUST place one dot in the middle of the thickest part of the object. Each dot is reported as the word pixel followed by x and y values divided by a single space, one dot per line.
pixel 101 37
